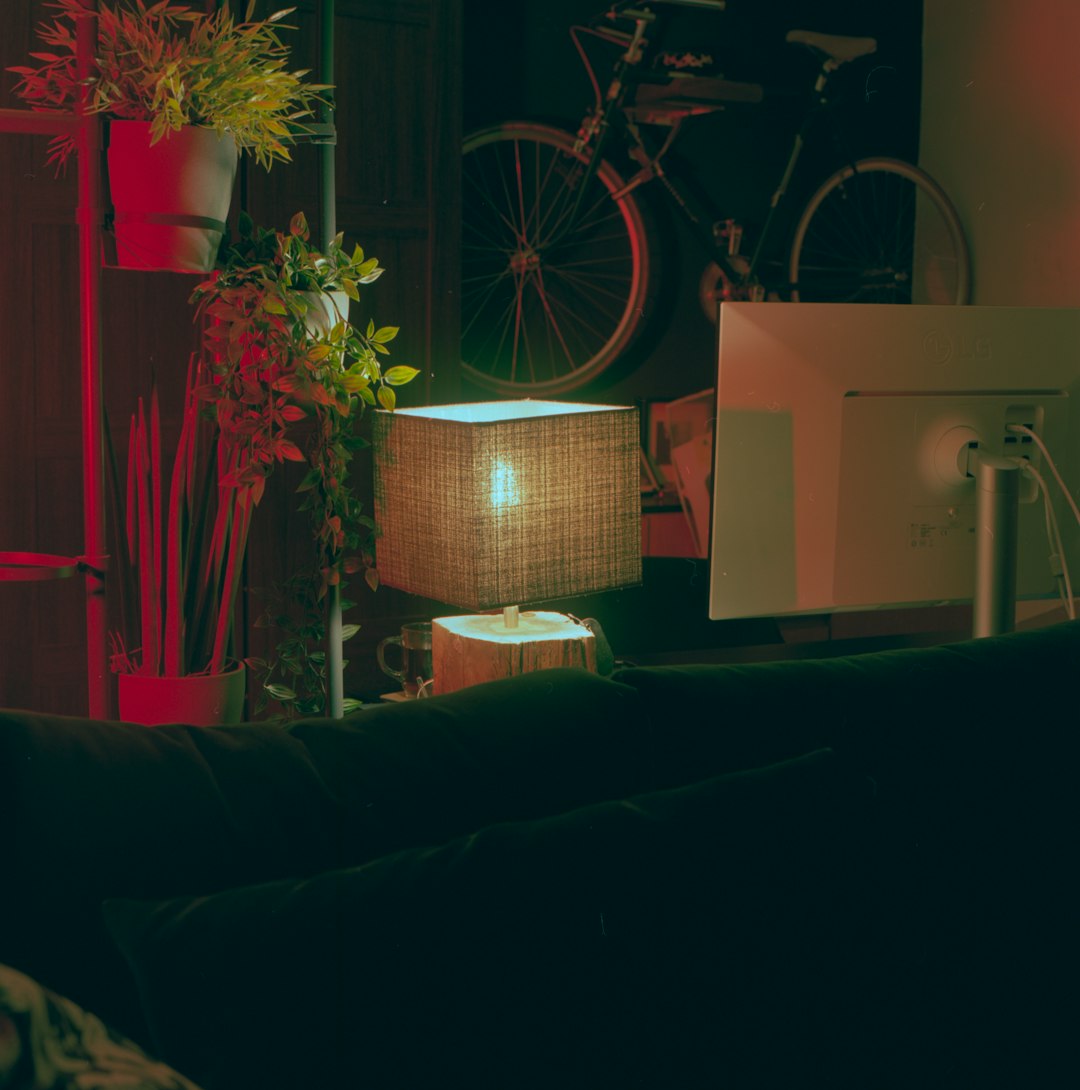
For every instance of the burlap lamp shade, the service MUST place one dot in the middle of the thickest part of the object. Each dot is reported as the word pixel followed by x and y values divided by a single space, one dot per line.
pixel 502 503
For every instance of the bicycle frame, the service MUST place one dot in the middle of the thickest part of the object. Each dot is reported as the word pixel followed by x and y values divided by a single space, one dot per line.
pixel 610 114
pixel 561 265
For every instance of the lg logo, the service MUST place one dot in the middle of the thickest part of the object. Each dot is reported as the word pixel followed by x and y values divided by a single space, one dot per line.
pixel 941 348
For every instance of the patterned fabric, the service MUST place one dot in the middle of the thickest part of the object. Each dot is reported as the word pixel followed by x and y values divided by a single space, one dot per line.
pixel 48 1043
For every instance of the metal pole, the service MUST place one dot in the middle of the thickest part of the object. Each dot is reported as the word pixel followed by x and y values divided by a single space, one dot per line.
pixel 89 220
pixel 335 662
pixel 997 504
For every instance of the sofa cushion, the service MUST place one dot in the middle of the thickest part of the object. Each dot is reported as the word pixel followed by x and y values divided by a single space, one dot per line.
pixel 99 810
pixel 656 941
pixel 974 752
pixel 424 771
pixel 722 717
pixel 49 1043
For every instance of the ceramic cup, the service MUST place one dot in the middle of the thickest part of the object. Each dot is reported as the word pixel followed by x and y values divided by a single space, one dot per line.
pixel 414 649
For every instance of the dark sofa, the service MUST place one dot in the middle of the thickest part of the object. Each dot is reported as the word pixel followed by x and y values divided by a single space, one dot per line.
pixel 852 872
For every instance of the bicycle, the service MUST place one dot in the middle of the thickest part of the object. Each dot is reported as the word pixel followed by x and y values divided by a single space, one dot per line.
pixel 558 252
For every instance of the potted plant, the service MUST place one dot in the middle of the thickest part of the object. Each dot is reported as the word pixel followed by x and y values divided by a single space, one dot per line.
pixel 180 554
pixel 292 378
pixel 183 90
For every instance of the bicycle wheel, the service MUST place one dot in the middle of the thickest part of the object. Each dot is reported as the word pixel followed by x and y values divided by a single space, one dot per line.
pixel 879 231
pixel 551 297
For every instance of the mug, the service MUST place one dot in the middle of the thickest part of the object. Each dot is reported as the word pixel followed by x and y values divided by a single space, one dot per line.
pixel 415 645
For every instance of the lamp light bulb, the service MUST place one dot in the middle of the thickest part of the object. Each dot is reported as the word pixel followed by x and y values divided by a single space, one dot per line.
pixel 504 486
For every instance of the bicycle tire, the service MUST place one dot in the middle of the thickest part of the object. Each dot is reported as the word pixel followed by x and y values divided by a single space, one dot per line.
pixel 545 308
pixel 879 231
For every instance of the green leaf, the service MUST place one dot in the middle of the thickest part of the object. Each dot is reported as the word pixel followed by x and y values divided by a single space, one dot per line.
pixel 384 335
pixel 348 631
pixel 387 398
pixel 354 384
pixel 399 375
pixel 371 577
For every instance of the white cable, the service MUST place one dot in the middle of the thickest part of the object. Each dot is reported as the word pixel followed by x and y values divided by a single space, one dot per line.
pixel 1057 547
pixel 1023 429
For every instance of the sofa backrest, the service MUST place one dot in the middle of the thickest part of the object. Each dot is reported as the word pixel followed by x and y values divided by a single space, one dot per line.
pixel 96 810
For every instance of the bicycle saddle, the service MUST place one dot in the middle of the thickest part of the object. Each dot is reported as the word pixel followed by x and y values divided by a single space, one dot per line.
pixel 837 46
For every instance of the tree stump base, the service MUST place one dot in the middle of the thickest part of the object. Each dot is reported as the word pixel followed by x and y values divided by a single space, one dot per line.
pixel 472 649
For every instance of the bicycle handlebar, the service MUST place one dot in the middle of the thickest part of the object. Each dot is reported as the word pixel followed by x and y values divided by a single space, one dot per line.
pixel 618 8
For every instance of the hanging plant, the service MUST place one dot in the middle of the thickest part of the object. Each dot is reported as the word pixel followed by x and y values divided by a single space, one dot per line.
pixel 292 378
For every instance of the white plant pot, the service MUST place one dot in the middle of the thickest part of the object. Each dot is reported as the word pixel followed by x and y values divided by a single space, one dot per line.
pixel 325 310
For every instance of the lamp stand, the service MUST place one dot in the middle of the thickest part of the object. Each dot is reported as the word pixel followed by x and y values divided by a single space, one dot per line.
pixel 471 649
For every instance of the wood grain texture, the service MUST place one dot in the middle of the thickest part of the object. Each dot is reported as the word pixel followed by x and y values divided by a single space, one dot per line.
pixel 471 649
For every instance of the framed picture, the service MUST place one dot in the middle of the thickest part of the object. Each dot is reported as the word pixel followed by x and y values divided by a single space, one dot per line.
pixel 689 417
pixel 690 424
pixel 650 480
pixel 657 442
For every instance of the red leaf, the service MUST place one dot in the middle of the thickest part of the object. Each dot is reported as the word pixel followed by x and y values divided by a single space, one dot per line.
pixel 284 448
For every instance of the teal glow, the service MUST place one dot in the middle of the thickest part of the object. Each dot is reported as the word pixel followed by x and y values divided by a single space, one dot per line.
pixel 505 491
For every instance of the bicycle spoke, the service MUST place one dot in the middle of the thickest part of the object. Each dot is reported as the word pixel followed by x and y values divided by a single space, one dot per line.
pixel 587 219
pixel 553 265
pixel 545 209
pixel 481 306
pixel 488 197
pixel 499 323
pixel 553 323
pixel 599 296
pixel 879 234
pixel 583 323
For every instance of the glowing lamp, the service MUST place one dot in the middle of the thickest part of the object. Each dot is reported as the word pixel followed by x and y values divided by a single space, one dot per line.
pixel 492 505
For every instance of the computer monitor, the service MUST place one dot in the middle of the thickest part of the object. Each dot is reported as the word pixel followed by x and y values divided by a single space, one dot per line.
pixel 841 437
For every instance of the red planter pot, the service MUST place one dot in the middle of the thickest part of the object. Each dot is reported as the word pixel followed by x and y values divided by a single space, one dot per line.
pixel 200 700
pixel 170 200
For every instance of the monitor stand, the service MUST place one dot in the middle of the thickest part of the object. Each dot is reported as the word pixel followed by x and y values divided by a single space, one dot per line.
pixel 997 504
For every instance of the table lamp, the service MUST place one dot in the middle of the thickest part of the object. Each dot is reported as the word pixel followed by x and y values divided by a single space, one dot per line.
pixel 492 505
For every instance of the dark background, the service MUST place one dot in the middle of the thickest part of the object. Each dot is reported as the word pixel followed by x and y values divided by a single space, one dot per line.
pixel 520 63
pixel 412 75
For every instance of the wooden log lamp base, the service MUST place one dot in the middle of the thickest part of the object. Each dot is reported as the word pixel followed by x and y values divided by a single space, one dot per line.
pixel 470 649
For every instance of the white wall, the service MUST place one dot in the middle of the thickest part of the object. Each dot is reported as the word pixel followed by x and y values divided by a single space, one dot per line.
pixel 1001 132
